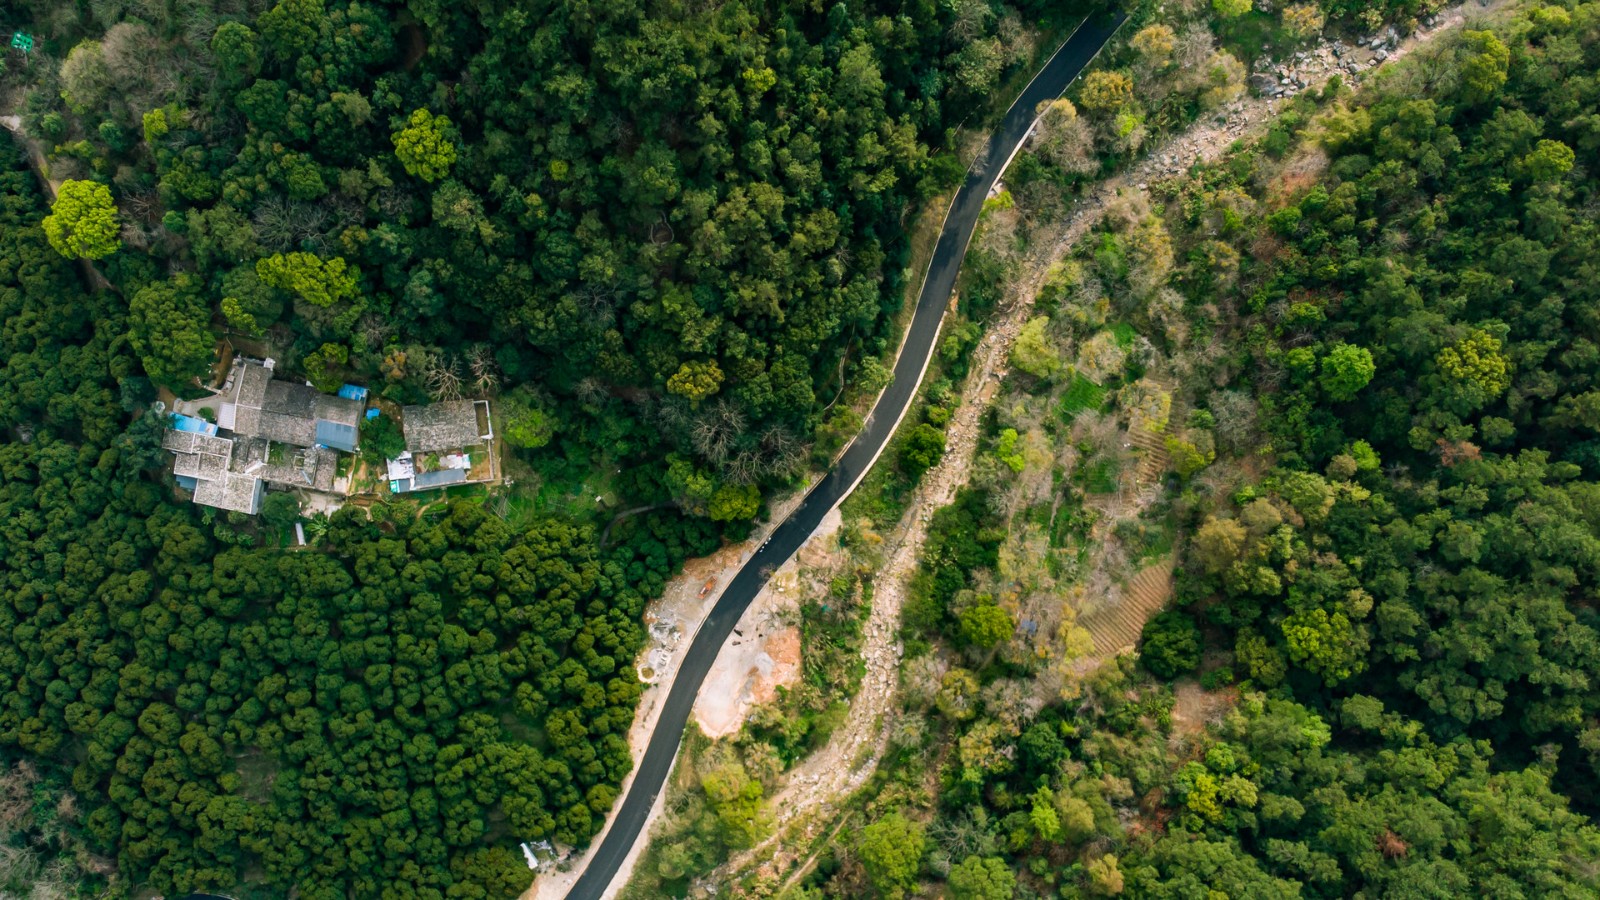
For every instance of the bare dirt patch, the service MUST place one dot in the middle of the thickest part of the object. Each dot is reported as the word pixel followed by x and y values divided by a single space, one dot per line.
pixel 1194 708
pixel 671 621
pixel 806 803
pixel 763 653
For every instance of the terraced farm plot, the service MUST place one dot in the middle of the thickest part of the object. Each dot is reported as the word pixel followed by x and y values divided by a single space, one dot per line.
pixel 1081 395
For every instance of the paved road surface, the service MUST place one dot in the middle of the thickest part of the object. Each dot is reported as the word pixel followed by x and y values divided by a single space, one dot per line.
pixel 959 223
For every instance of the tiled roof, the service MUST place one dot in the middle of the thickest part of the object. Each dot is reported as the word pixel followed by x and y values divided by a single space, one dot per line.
pixel 240 493
pixel 286 429
pixel 441 426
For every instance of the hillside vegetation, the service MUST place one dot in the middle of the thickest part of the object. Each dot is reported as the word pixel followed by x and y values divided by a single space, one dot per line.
pixel 660 236
pixel 1366 342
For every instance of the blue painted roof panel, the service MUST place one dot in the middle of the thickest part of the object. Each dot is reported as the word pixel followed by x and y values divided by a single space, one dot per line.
pixel 336 435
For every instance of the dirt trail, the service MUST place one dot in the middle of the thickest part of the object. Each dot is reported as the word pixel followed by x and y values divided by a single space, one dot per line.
pixel 811 789
pixel 806 801
pixel 52 186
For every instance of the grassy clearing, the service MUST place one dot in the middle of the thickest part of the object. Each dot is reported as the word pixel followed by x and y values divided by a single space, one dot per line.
pixel 1082 395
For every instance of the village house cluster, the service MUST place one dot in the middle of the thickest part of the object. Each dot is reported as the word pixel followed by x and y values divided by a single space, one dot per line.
pixel 257 433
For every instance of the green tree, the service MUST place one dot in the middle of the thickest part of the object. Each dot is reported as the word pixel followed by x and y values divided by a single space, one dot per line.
pixel 1032 351
pixel 1154 44
pixel 1218 543
pixel 325 366
pixel 985 625
pixel 426 146
pixel 169 327
pixel 1170 645
pixel 1329 645
pixel 1303 20
pixel 696 380
pixel 291 27
pixel 83 221
pixel 1105 876
pixel 237 50
pixel 320 282
pixel 734 503
pixel 86 80
pixel 1477 366
pixel 280 509
pixel 982 878
pixel 1485 63
pixel 1231 9
pixel 1006 448
pixel 381 439
pixel 1346 369
pixel 524 422
pixel 891 851
pixel 922 449
pixel 1549 162
pixel 1105 91
pixel 737 799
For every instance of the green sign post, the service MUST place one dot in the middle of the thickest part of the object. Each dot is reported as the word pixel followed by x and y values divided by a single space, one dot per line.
pixel 22 41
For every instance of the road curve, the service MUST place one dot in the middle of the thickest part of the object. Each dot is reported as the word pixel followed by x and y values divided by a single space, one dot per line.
pixel 852 466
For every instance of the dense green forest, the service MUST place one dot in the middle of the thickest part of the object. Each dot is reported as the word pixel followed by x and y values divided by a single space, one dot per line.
pixel 665 237
pixel 1379 675
pixel 662 227
pixel 662 236
pixel 400 707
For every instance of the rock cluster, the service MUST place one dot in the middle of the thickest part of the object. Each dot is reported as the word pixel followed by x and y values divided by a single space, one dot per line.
pixel 1286 78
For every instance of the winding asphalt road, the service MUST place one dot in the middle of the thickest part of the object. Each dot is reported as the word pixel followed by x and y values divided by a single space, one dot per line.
pixel 959 224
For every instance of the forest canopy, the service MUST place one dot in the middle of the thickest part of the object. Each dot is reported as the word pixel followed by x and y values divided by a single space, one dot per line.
pixel 1376 329
pixel 683 223
pixel 662 235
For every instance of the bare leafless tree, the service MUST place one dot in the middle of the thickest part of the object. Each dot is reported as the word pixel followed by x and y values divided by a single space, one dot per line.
pixel 375 330
pixel 671 414
pixel 589 391
pixel 443 377
pixel 485 372
pixel 745 467
pixel 1235 415
pixel 971 20
pixel 138 235
pixel 282 224
pixel 783 451
pixel 391 202
pixel 715 429
pixel 597 303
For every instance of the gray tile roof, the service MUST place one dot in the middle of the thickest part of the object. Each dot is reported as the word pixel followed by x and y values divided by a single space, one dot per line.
pixel 340 410
pixel 284 411
pixel 286 429
pixel 253 379
pixel 441 426
pixel 290 399
pixel 311 467
pixel 240 493
pixel 189 442
pixel 229 472
pixel 187 464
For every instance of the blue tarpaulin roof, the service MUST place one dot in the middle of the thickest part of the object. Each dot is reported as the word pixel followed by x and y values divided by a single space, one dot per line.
pixel 181 422
pixel 336 435
pixel 425 480
pixel 373 413
pixel 352 392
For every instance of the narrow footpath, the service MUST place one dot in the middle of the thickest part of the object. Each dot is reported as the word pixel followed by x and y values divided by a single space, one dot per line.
pixel 811 798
